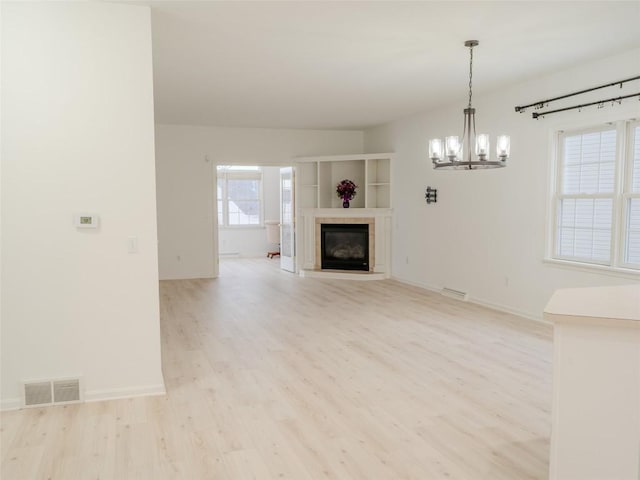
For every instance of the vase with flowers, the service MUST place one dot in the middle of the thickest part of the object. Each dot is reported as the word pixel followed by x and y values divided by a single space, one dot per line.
pixel 346 190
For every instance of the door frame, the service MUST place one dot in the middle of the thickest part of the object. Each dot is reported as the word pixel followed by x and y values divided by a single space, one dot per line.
pixel 214 203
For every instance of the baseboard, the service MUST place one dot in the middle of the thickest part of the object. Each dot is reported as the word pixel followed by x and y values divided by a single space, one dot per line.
pixel 98 395
pixel 128 392
pixel 186 277
pixel 426 286
pixel 10 404
pixel 506 309
pixel 224 256
pixel 478 301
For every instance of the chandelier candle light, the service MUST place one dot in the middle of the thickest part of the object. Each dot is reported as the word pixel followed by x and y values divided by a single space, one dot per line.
pixel 453 149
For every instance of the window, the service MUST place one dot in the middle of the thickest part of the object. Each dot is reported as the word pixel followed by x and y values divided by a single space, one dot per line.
pixel 632 200
pixel 597 196
pixel 239 196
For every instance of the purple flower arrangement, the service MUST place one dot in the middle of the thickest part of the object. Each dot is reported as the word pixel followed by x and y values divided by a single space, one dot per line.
pixel 346 190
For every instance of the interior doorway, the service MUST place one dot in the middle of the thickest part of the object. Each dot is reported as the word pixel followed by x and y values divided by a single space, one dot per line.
pixel 249 203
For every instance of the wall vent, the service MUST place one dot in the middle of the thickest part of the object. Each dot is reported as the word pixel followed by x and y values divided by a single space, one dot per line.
pixel 52 392
pixel 37 393
pixel 65 391
pixel 457 294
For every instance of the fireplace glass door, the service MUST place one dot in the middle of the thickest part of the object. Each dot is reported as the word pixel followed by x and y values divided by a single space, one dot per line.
pixel 345 246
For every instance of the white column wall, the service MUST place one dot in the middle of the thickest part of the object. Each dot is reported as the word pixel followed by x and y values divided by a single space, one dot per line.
pixel 78 136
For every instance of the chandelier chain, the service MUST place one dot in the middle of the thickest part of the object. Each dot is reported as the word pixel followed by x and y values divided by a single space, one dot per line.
pixel 470 73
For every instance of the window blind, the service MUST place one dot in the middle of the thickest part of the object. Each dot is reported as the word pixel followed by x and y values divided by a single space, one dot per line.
pixel 632 238
pixel 585 201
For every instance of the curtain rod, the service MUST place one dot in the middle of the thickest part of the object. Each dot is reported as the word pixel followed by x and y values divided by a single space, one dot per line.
pixel 541 103
pixel 599 102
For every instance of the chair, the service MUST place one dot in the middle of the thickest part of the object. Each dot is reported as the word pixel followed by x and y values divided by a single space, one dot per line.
pixel 273 236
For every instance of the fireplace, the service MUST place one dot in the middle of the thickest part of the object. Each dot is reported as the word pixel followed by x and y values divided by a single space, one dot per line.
pixel 344 246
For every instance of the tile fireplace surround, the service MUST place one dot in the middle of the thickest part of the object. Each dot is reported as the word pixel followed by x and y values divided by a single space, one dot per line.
pixel 309 243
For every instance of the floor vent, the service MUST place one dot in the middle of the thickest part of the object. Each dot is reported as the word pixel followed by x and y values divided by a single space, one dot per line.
pixel 52 392
pixel 457 294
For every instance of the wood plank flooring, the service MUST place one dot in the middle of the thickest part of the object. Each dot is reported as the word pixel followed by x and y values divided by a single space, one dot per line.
pixel 272 376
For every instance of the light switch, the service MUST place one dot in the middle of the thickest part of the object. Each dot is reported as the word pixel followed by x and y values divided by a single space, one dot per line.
pixel 132 244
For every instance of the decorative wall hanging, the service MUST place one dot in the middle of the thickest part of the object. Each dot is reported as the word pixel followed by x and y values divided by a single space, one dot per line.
pixel 431 195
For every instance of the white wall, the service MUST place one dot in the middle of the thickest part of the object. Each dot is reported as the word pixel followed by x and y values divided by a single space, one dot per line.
pixel 252 241
pixel 77 117
pixel 185 159
pixel 486 235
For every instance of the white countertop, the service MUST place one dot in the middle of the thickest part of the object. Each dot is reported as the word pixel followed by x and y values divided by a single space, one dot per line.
pixel 620 302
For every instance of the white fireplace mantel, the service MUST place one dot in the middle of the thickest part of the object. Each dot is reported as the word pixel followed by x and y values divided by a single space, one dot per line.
pixel 307 239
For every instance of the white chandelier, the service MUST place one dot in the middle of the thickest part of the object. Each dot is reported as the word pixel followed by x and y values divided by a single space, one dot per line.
pixel 450 153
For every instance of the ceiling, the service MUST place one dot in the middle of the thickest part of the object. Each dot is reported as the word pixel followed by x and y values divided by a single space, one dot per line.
pixel 356 64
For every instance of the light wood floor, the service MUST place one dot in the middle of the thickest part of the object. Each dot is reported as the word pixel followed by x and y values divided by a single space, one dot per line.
pixel 272 376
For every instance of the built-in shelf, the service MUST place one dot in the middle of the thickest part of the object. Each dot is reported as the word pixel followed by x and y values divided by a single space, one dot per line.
pixel 317 178
pixel 316 198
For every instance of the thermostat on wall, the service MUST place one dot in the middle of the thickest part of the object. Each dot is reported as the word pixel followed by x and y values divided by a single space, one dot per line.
pixel 86 220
